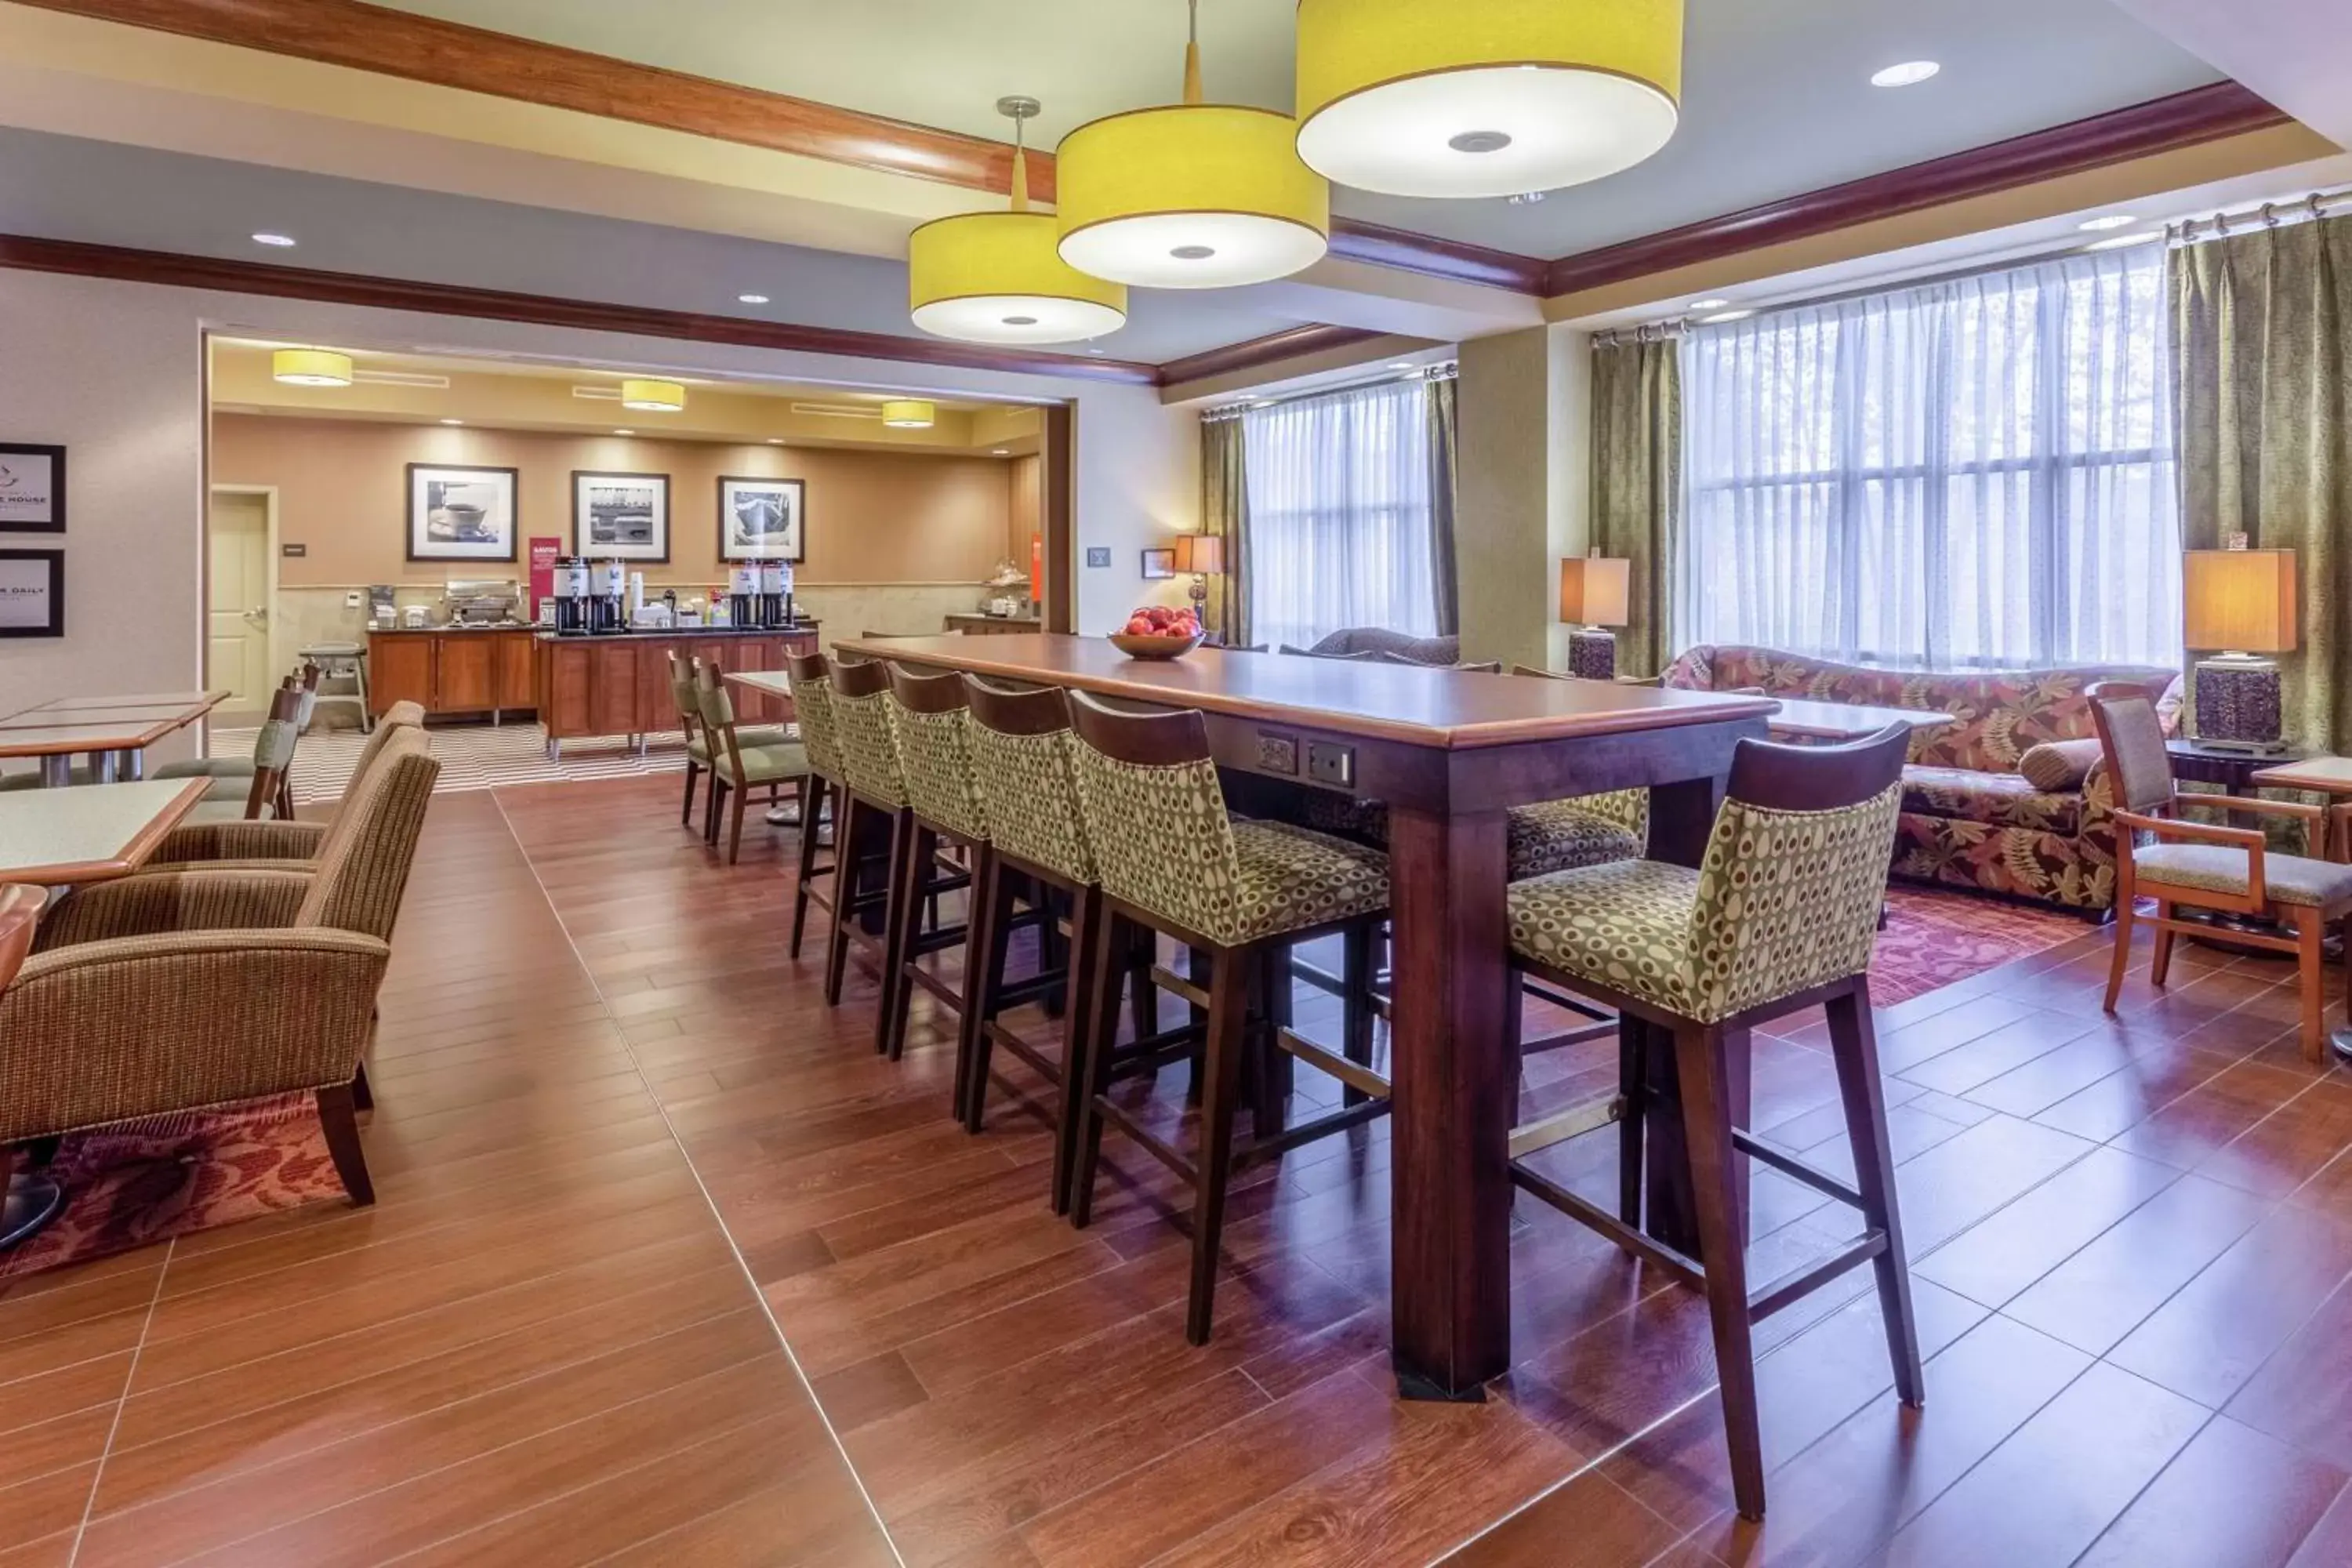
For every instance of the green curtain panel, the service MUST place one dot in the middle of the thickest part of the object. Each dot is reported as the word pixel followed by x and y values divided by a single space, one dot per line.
pixel 1224 511
pixel 2262 364
pixel 1637 463
pixel 1445 576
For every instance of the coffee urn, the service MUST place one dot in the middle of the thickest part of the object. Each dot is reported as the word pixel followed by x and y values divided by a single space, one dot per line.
pixel 775 595
pixel 743 595
pixel 570 585
pixel 606 584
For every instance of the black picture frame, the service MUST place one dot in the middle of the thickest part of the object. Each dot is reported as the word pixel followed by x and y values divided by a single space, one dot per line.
pixel 655 553
pixel 1159 564
pixel 792 512
pixel 54 625
pixel 36 464
pixel 419 473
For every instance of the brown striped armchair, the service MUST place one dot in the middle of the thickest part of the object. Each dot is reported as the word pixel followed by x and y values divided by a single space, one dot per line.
pixel 283 841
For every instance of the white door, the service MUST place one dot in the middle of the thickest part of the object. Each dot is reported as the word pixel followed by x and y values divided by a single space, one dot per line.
pixel 239 611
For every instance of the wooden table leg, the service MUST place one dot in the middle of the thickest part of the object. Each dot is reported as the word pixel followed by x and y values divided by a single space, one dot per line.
pixel 1454 1082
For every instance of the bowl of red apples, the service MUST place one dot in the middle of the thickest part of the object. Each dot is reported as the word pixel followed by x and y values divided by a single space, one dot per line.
pixel 1157 631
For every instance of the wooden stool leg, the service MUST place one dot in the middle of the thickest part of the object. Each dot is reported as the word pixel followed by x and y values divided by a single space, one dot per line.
pixel 811 803
pixel 1080 1014
pixel 1357 1015
pixel 1099 1033
pixel 1228 1020
pixel 1142 991
pixel 2311 968
pixel 1854 1041
pixel 1706 1137
pixel 910 849
pixel 1632 1075
pixel 986 939
pixel 853 824
pixel 1274 1069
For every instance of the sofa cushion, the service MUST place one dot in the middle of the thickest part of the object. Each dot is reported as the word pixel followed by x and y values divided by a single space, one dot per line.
pixel 1996 800
pixel 2059 766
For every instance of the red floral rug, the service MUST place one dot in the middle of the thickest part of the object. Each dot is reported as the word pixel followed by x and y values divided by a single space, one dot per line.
pixel 143 1180
pixel 1934 938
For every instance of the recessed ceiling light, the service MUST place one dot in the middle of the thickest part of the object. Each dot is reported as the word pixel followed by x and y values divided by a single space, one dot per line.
pixel 453 421
pixel 1725 316
pixel 624 432
pixel 1910 73
pixel 2111 221
pixel 751 299
pixel 775 440
pixel 279 241
pixel 1401 365
pixel 1001 452
pixel 1094 350
pixel 1707 304
pixel 2116 242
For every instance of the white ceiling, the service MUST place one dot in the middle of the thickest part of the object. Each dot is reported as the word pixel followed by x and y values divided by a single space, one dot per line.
pixel 65 187
pixel 1777 98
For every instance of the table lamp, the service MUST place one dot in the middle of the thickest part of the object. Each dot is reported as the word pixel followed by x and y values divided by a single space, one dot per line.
pixel 2242 602
pixel 1594 593
pixel 1203 555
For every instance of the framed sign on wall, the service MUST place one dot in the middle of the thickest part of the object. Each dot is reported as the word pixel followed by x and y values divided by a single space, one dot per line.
pixel 620 517
pixel 32 489
pixel 32 592
pixel 458 513
pixel 762 520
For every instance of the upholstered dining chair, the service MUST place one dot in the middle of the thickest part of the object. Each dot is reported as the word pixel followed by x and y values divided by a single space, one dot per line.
pixel 1781 914
pixel 1240 894
pixel 684 696
pixel 742 761
pixel 264 791
pixel 234 773
pixel 2210 867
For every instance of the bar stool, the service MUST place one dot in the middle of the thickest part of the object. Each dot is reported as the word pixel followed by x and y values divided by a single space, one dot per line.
pixel 1240 894
pixel 811 680
pixel 740 760
pixel 1782 915
pixel 343 661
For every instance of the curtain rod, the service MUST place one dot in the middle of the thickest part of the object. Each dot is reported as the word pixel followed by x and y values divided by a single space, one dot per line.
pixel 1445 372
pixel 2190 231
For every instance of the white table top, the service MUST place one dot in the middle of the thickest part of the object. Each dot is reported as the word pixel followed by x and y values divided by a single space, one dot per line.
pixel 89 833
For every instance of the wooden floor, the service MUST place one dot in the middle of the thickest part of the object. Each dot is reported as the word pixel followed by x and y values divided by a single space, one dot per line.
pixel 2132 1241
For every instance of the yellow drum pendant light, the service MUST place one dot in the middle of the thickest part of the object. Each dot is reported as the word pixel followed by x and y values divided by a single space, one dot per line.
pixel 909 413
pixel 1191 195
pixel 1411 98
pixel 996 277
pixel 311 367
pixel 653 397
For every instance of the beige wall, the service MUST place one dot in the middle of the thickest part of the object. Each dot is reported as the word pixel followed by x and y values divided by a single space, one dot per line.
pixel 873 517
pixel 1519 487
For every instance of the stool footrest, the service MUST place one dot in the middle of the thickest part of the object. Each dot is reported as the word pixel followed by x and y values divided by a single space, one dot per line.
pixel 1641 1245
pixel 1290 1138
pixel 1562 999
pixel 1798 1170
pixel 1805 1281
pixel 1574 1122
pixel 1567 1038
pixel 1170 981
pixel 1149 1142
pixel 1355 1075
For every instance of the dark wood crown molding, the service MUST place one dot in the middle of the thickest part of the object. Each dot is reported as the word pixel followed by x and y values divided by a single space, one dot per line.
pixel 1272 349
pixel 1407 252
pixel 2184 119
pixel 24 253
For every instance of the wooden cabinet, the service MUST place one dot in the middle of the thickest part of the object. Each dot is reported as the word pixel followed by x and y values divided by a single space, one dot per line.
pixel 447 672
pixel 620 685
pixel 994 625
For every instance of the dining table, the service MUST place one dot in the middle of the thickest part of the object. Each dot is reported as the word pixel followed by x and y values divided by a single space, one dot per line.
pixel 112 732
pixel 1448 751
pixel 89 833
pixel 1801 718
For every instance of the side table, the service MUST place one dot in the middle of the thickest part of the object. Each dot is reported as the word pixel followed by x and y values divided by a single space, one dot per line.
pixel 2235 771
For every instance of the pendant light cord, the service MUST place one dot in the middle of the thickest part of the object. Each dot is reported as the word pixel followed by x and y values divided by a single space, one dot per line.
pixel 1192 52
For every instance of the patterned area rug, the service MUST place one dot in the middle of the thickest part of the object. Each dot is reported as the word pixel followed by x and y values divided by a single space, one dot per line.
pixel 473 756
pixel 1934 938
pixel 143 1180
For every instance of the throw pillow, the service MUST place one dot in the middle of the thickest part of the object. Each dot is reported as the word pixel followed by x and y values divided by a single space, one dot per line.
pixel 2055 767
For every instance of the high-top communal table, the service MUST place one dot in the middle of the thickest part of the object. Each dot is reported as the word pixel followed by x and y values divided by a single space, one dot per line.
pixel 1448 751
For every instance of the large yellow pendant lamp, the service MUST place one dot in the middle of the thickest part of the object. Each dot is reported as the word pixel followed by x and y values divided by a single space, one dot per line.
pixel 1191 195
pixel 1412 99
pixel 996 277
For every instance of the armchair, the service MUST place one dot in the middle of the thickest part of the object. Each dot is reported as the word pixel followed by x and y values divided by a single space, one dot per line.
pixel 283 841
pixel 2207 866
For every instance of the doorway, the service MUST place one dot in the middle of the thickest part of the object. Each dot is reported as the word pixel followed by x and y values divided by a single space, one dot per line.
pixel 241 599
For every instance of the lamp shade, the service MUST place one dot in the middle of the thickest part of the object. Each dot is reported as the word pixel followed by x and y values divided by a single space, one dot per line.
pixel 1203 553
pixel 1192 196
pixel 909 413
pixel 653 397
pixel 1412 99
pixel 2241 600
pixel 1595 591
pixel 311 367
pixel 998 278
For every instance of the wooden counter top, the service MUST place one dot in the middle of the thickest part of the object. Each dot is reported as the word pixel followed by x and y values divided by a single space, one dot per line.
pixel 1447 709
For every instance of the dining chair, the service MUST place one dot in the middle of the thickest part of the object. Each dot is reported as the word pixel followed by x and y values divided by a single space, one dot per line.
pixel 1240 894
pixel 234 775
pixel 264 794
pixel 2210 866
pixel 685 698
pixel 1781 914
pixel 741 759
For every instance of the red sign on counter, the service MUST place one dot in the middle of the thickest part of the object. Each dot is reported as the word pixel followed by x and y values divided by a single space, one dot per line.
pixel 543 553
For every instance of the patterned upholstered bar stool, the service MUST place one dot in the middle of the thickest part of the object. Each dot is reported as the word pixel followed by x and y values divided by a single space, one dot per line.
pixel 1781 915
pixel 1240 894
pixel 740 761
pixel 811 680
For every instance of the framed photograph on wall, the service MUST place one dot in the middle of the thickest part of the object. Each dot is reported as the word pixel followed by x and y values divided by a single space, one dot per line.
pixel 620 517
pixel 32 592
pixel 762 520
pixel 1159 564
pixel 458 513
pixel 32 489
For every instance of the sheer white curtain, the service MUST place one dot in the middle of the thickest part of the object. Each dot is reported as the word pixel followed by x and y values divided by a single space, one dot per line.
pixel 1341 533
pixel 1979 472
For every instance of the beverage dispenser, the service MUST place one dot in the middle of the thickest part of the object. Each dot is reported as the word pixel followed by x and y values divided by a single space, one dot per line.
pixel 571 586
pixel 743 594
pixel 608 583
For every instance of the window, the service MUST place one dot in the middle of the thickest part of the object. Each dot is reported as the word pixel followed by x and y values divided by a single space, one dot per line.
pixel 1340 529
pixel 1971 473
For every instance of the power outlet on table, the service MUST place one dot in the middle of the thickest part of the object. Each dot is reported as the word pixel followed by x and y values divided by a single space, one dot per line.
pixel 1330 764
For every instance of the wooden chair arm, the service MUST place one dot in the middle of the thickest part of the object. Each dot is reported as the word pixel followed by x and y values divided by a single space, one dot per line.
pixel 2311 814
pixel 2249 839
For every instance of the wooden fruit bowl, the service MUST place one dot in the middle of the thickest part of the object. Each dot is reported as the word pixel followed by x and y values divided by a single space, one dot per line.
pixel 1156 646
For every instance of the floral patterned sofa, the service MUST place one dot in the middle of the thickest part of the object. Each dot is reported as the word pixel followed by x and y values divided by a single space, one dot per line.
pixel 1970 818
